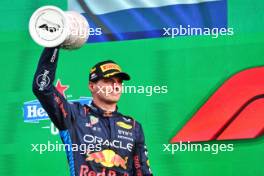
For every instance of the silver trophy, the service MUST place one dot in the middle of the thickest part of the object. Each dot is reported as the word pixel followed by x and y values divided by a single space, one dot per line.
pixel 49 26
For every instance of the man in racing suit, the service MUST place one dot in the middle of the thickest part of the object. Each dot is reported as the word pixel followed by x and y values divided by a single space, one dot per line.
pixel 114 142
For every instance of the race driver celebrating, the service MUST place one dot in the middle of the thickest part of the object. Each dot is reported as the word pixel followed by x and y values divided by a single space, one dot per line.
pixel 115 143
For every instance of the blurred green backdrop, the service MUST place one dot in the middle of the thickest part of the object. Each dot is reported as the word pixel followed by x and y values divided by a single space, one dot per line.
pixel 192 68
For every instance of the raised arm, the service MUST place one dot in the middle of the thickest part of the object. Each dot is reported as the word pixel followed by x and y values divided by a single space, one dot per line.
pixel 51 100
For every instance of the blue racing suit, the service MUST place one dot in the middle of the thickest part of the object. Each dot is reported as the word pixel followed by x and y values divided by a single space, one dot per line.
pixel 97 143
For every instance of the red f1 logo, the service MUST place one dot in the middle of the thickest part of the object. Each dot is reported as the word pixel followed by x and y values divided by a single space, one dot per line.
pixel 234 111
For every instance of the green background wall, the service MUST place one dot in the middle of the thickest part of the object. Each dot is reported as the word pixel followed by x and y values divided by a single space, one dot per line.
pixel 192 68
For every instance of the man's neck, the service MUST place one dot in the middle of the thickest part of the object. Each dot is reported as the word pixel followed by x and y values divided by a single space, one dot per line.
pixel 105 106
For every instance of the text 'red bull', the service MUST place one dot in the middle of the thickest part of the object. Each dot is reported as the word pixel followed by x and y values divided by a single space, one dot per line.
pixel 137 166
pixel 85 171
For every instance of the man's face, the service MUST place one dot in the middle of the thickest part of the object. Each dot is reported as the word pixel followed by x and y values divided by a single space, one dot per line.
pixel 107 89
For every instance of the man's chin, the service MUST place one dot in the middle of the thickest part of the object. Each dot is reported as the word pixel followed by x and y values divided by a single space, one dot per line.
pixel 111 100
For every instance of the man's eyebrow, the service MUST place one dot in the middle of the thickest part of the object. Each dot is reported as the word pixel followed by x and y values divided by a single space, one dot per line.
pixel 108 79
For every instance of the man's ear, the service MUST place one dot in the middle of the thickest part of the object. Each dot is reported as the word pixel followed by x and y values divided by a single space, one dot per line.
pixel 91 86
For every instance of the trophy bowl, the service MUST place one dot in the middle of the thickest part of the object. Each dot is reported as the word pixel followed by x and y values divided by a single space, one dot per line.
pixel 49 26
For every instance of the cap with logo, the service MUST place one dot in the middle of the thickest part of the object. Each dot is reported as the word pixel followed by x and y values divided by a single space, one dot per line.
pixel 107 69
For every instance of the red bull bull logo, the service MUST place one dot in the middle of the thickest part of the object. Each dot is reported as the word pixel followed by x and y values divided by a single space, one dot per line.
pixel 108 158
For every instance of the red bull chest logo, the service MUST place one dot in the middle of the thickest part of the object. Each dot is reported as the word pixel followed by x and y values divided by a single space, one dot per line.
pixel 108 158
